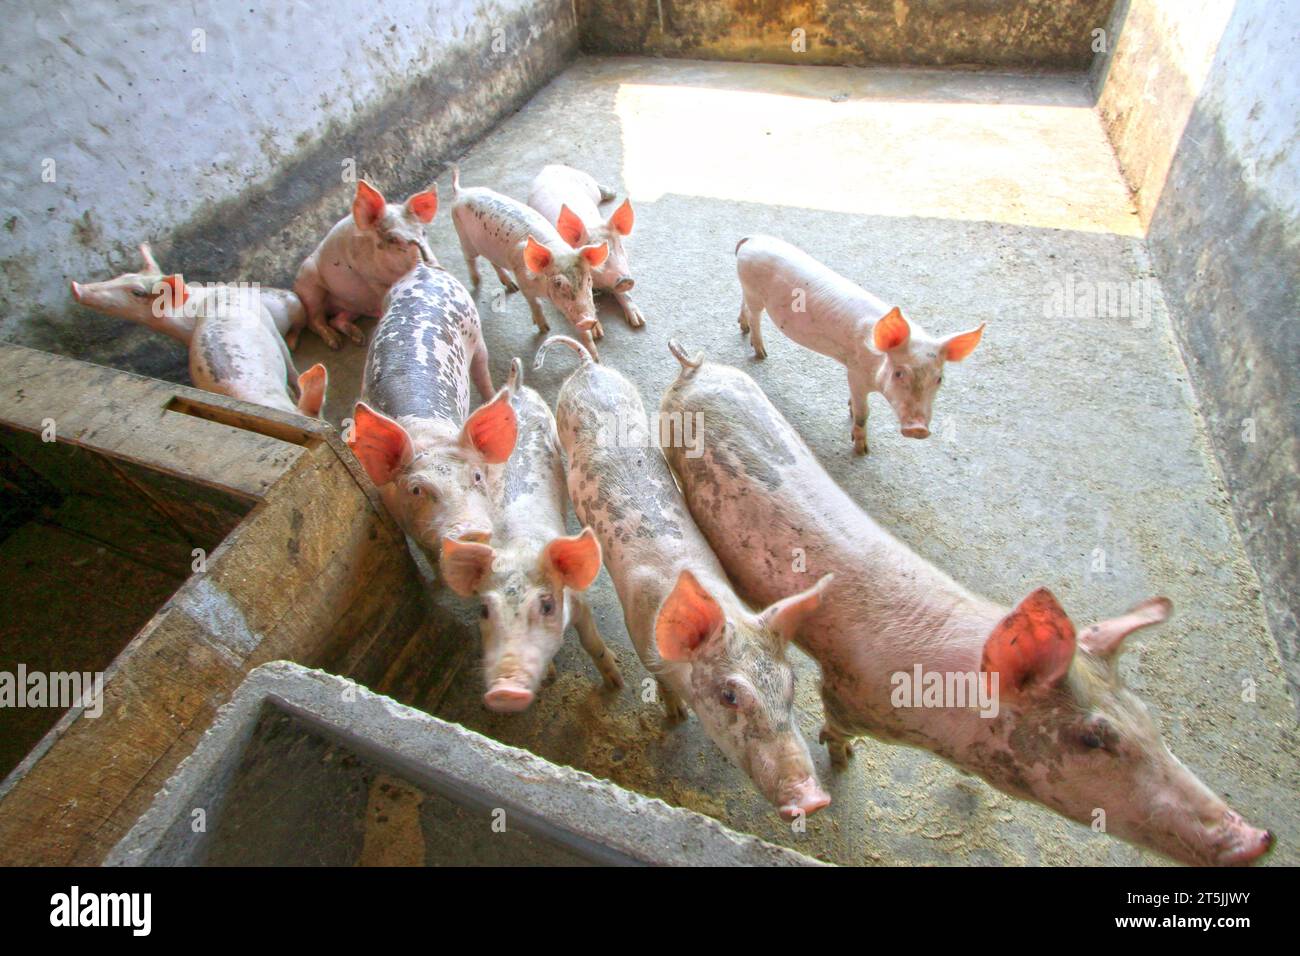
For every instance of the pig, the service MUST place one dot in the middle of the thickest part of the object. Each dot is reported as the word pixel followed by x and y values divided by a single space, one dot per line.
pixel 702 644
pixel 514 237
pixel 570 201
pixel 134 296
pixel 530 586
pixel 348 274
pixel 1065 731
pixel 433 462
pixel 236 352
pixel 823 311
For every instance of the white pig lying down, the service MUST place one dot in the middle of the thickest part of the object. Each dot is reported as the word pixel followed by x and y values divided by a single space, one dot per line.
pixel 348 274
pixel 1062 729
pixel 570 200
pixel 530 583
pixel 821 310
pixel 432 461
pixel 517 238
pixel 235 345
pixel 135 296
pixel 704 646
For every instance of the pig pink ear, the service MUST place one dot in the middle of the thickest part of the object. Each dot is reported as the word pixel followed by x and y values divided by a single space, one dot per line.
pixel 492 429
pixel 424 206
pixel 536 256
pixel 311 389
pixel 962 344
pixel 891 331
pixel 622 219
pixel 381 445
pixel 575 561
pixel 465 565
pixel 688 618
pixel 151 266
pixel 570 227
pixel 595 254
pixel 785 616
pixel 367 206
pixel 1031 648
pixel 176 293
pixel 1105 637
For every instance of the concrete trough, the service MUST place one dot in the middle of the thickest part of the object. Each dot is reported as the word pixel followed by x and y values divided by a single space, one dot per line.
pixel 166 541
pixel 357 778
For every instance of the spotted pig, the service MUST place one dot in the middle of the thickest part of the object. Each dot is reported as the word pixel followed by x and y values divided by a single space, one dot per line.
pixel 1059 727
pixel 412 429
pixel 706 649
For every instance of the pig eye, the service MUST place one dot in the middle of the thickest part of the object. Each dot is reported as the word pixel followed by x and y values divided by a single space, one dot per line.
pixel 548 605
pixel 483 611
pixel 478 477
pixel 898 373
pixel 939 380
pixel 1097 735
pixel 729 698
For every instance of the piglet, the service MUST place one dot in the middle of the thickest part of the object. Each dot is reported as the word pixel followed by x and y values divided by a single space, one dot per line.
pixel 514 237
pixel 136 297
pixel 236 352
pixel 530 585
pixel 1045 716
pixel 823 311
pixel 702 644
pixel 570 200
pixel 348 274
pixel 412 430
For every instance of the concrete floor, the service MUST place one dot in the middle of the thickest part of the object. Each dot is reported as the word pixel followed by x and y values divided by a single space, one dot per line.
pixel 965 198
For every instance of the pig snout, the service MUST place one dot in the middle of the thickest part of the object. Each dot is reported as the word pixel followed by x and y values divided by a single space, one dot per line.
pixel 624 284
pixel 507 696
pixel 916 430
pixel 76 291
pixel 804 797
pixel 1241 843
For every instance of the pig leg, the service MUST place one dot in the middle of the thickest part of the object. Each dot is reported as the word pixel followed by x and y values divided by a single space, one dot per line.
pixel 480 373
pixel 539 319
pixel 858 387
pixel 751 321
pixel 589 343
pixel 312 293
pixel 505 279
pixel 673 705
pixel 471 257
pixel 838 744
pixel 343 322
pixel 600 655
pixel 630 311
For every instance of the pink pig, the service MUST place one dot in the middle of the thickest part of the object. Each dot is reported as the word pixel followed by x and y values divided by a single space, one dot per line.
pixel 1045 715
pixel 706 649
pixel 349 273
pixel 570 200
pixel 513 236
pixel 823 311
pixel 530 583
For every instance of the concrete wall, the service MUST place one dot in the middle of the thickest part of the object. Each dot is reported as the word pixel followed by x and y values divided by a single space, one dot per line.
pixel 1201 99
pixel 208 128
pixel 1040 34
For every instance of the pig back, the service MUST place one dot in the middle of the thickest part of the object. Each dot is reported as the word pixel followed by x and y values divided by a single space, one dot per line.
pixel 418 361
pixel 533 494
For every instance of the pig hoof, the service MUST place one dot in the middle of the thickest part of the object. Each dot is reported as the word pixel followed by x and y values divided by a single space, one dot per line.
pixel 357 336
pixel 613 681
pixel 598 331
pixel 860 448
pixel 760 353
